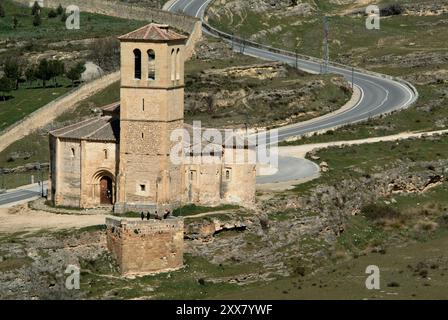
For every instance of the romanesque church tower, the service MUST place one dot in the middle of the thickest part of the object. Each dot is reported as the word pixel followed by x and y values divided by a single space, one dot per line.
pixel 151 106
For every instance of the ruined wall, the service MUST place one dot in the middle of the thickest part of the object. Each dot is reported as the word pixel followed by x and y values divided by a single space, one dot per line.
pixel 146 247
pixel 187 24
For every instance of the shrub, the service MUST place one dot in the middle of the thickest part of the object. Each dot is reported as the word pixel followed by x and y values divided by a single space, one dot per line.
pixel 391 10
pixel 52 14
pixel 59 10
pixel 376 212
pixel 37 21
pixel 426 226
pixel 2 11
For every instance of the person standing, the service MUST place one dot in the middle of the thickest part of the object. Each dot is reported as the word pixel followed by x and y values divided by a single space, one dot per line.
pixel 147 215
pixel 142 215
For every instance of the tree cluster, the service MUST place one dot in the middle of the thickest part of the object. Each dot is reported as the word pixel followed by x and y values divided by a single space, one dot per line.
pixel 46 71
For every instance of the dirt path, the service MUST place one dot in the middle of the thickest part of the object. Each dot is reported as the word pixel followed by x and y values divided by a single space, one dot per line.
pixel 301 150
pixel 20 218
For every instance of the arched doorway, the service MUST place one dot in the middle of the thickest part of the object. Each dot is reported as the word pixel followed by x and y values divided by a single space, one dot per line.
pixel 106 190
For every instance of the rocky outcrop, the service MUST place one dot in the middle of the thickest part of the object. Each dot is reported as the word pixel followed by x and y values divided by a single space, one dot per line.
pixel 204 229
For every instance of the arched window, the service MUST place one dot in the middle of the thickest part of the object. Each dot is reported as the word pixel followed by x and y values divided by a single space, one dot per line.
pixel 105 153
pixel 173 66
pixel 72 152
pixel 178 64
pixel 151 65
pixel 137 64
pixel 228 175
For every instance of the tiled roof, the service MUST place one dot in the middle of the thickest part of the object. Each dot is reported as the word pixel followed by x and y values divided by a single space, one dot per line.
pixel 110 109
pixel 232 140
pixel 153 32
pixel 104 128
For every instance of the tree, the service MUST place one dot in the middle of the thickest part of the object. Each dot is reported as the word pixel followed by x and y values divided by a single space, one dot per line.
pixel 37 21
pixel 63 17
pixel 43 72
pixel 57 68
pixel 35 10
pixel 52 14
pixel 13 70
pixel 2 11
pixel 59 10
pixel 30 74
pixel 75 72
pixel 105 52
pixel 6 85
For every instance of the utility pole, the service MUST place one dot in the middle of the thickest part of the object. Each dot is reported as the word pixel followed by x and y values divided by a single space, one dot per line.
pixel 297 56
pixel 326 48
pixel 353 77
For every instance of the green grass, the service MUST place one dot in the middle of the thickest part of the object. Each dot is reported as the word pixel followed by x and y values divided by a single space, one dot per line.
pixel 37 142
pixel 26 100
pixel 350 32
pixel 193 209
pixel 346 279
pixel 10 264
pixel 91 25
pixel 354 161
pixel 14 180
pixel 182 284
pixel 106 96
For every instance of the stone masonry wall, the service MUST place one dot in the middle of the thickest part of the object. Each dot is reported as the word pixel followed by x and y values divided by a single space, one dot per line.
pixel 146 247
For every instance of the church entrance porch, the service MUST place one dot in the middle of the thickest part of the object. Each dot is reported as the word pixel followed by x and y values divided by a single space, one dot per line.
pixel 101 190
pixel 105 191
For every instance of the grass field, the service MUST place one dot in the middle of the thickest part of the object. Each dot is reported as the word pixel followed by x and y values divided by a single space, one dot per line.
pixel 53 29
pixel 26 99
pixel 354 161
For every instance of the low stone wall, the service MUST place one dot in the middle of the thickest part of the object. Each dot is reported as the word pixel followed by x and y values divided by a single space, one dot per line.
pixel 146 247
pixel 140 11
pixel 54 109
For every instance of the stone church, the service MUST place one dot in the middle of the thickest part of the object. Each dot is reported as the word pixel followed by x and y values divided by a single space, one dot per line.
pixel 122 159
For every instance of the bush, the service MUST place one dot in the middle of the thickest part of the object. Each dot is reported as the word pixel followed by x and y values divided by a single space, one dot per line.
pixel 391 10
pixel 59 10
pixel 2 11
pixel 52 14
pixel 376 212
pixel 37 21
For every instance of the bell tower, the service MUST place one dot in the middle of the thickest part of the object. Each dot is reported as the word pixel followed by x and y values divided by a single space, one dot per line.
pixel 151 106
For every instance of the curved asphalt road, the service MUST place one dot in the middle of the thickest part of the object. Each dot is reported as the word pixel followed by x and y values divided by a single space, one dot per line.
pixel 379 95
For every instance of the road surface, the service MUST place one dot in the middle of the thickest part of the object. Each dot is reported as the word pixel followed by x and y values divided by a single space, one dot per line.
pixel 379 95
pixel 23 194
